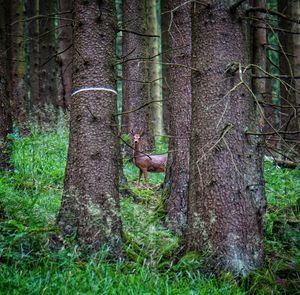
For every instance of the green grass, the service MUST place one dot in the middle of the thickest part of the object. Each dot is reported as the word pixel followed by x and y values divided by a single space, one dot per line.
pixel 31 197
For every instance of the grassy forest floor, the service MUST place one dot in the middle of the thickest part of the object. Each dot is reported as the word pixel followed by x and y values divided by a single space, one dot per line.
pixel 30 197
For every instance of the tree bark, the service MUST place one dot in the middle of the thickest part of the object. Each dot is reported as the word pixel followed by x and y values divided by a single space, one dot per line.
pixel 296 66
pixel 154 69
pixel 5 111
pixel 48 68
pixel 17 83
pixel 165 35
pixel 135 72
pixel 65 51
pixel 260 58
pixel 226 190
pixel 287 94
pixel 176 180
pixel 32 10
pixel 90 205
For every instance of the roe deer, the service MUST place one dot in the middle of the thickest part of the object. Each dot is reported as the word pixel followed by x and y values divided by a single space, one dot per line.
pixel 146 163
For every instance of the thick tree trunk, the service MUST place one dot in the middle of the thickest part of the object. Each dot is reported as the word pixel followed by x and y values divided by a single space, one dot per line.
pixel 90 205
pixel 17 85
pixel 226 191
pixel 176 181
pixel 154 70
pixel 5 115
pixel 65 51
pixel 135 72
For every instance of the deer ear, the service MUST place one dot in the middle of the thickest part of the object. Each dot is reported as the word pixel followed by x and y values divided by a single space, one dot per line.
pixel 142 133
pixel 131 132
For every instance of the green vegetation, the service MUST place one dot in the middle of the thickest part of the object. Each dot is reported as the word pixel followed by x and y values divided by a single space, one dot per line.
pixel 30 197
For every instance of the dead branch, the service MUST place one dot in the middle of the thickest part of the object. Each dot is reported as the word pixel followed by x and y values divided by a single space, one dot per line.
pixel 272 133
pixel 138 108
pixel 138 34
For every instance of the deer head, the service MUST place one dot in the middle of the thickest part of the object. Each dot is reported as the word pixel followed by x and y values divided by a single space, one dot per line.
pixel 137 136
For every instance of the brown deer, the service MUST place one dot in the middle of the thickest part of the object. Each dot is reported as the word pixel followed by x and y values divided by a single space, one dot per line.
pixel 146 163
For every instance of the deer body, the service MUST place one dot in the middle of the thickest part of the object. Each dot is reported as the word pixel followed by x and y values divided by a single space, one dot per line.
pixel 147 163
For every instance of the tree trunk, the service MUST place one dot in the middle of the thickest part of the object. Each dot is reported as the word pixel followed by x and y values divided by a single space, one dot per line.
pixel 226 191
pixel 296 66
pixel 65 51
pixel 287 94
pixel 135 72
pixel 48 68
pixel 259 58
pixel 32 10
pixel 165 35
pixel 5 115
pixel 17 85
pixel 90 205
pixel 176 181
pixel 154 69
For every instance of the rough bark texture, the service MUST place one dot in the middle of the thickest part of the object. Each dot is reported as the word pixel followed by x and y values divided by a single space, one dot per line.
pixel 5 117
pixel 135 73
pixel 226 191
pixel 154 69
pixel 176 181
pixel 65 50
pixel 90 205
pixel 17 83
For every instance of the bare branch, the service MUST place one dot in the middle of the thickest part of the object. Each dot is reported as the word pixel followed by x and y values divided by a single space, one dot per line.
pixel 138 108
pixel 139 34
pixel 272 133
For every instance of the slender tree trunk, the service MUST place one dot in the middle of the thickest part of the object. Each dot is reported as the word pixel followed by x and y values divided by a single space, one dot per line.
pixel 176 181
pixel 32 10
pixel 154 69
pixel 271 113
pixel 48 68
pixel 5 115
pixel 90 205
pixel 17 85
pixel 226 191
pixel 287 94
pixel 65 50
pixel 259 58
pixel 296 66
pixel 135 71
pixel 165 35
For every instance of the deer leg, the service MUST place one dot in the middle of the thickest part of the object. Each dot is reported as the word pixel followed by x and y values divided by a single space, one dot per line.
pixel 141 173
pixel 146 178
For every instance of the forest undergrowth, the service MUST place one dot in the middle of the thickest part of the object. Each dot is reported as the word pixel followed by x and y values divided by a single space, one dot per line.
pixel 30 197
